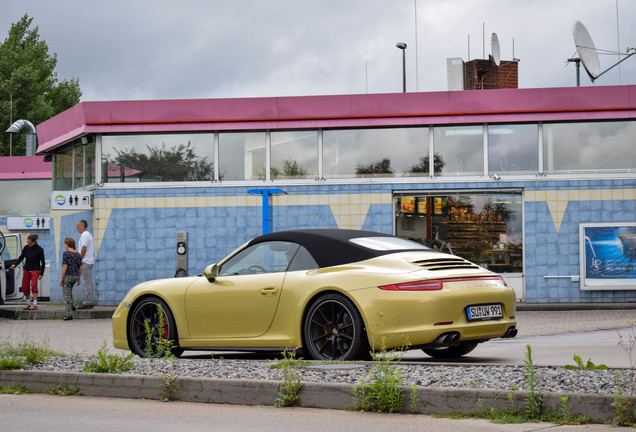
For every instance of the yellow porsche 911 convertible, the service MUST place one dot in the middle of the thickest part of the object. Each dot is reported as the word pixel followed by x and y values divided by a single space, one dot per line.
pixel 334 294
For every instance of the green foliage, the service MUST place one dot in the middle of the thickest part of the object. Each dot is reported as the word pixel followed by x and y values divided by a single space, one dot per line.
pixel 169 390
pixel 63 390
pixel 177 163
pixel 584 366
pixel 109 363
pixel 29 87
pixel 10 363
pixel 533 396
pixel 25 352
pixel 288 392
pixel 15 389
pixel 414 408
pixel 157 346
pixel 383 390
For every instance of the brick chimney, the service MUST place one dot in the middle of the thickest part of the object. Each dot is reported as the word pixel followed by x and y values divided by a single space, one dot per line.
pixel 483 75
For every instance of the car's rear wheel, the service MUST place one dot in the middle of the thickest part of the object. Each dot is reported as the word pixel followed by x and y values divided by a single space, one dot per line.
pixel 333 330
pixel 451 351
pixel 151 329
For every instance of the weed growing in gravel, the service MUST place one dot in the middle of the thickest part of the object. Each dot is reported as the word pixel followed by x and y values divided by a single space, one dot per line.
pixel 624 403
pixel 383 390
pixel 157 346
pixel 288 392
pixel 533 396
pixel 584 366
pixel 63 390
pixel 169 390
pixel 109 363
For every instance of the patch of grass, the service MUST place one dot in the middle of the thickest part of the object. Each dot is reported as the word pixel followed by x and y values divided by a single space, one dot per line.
pixel 15 389
pixel 33 352
pixel 533 396
pixel 109 363
pixel 63 390
pixel 11 363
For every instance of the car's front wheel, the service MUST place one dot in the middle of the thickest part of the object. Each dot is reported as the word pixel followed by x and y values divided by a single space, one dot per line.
pixel 451 351
pixel 151 329
pixel 333 329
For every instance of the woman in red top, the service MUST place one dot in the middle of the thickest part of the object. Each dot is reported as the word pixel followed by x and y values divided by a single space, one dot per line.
pixel 33 270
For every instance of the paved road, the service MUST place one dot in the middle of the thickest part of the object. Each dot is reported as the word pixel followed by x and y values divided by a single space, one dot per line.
pixel 555 337
pixel 70 414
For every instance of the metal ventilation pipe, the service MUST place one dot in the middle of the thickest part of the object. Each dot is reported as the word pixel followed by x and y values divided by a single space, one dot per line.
pixel 31 137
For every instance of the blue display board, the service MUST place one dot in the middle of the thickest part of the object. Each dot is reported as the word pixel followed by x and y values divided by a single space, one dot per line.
pixel 608 256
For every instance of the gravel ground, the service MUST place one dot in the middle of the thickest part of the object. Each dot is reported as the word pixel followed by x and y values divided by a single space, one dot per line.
pixel 549 379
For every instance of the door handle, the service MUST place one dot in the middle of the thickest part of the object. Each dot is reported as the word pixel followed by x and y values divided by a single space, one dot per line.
pixel 269 291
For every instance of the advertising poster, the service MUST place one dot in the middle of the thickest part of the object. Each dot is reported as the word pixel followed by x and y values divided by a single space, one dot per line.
pixel 608 256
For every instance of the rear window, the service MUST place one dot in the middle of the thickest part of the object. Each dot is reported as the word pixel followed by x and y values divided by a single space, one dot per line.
pixel 388 243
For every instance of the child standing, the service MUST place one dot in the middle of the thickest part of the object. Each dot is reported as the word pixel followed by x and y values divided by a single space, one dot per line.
pixel 71 274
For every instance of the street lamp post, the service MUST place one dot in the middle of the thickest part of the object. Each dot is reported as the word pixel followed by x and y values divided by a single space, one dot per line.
pixel 267 209
pixel 402 46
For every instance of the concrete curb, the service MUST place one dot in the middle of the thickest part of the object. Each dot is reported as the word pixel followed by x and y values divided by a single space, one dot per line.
pixel 54 312
pixel 312 395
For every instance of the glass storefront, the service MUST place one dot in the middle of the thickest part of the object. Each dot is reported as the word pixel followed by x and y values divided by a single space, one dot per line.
pixel 157 158
pixel 589 147
pixel 485 228
pixel 242 156
pixel 390 152
pixel 294 155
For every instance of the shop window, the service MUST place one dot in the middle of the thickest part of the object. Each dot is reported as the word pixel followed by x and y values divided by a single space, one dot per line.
pixel 513 149
pixel 485 228
pixel 294 155
pixel 600 147
pixel 157 158
pixel 459 150
pixel 242 156
pixel 390 152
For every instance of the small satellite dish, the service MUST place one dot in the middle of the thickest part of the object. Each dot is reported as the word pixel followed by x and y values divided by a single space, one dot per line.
pixel 586 49
pixel 495 49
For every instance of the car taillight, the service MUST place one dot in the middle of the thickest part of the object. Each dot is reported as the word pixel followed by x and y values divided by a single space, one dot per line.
pixel 427 285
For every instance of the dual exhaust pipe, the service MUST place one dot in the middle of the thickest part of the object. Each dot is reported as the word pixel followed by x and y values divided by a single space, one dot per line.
pixel 447 339
pixel 452 338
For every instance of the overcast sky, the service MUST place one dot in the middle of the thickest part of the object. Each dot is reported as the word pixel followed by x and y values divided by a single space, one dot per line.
pixel 167 49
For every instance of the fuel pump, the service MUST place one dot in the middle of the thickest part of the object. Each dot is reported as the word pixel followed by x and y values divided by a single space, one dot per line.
pixel 182 254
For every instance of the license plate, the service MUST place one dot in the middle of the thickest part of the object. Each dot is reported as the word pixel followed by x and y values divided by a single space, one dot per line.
pixel 484 312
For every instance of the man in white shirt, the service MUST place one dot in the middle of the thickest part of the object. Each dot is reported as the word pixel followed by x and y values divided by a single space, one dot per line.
pixel 86 248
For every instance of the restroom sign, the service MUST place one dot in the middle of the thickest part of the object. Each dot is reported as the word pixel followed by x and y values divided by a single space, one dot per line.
pixel 28 223
pixel 71 200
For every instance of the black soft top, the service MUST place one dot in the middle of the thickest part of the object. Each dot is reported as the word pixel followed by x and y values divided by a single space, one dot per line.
pixel 330 247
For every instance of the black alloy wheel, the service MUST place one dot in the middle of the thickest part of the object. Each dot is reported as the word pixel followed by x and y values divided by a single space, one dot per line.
pixel 451 352
pixel 151 331
pixel 333 330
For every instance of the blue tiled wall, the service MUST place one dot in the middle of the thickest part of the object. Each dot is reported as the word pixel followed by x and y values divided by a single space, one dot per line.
pixel 139 243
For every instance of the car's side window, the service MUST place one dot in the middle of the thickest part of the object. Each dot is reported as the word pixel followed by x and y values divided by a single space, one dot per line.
pixel 267 257
pixel 302 260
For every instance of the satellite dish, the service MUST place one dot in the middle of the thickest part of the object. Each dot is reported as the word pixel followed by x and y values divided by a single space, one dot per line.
pixel 495 49
pixel 586 49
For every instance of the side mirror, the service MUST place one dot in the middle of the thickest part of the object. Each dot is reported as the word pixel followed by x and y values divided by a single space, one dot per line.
pixel 211 272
